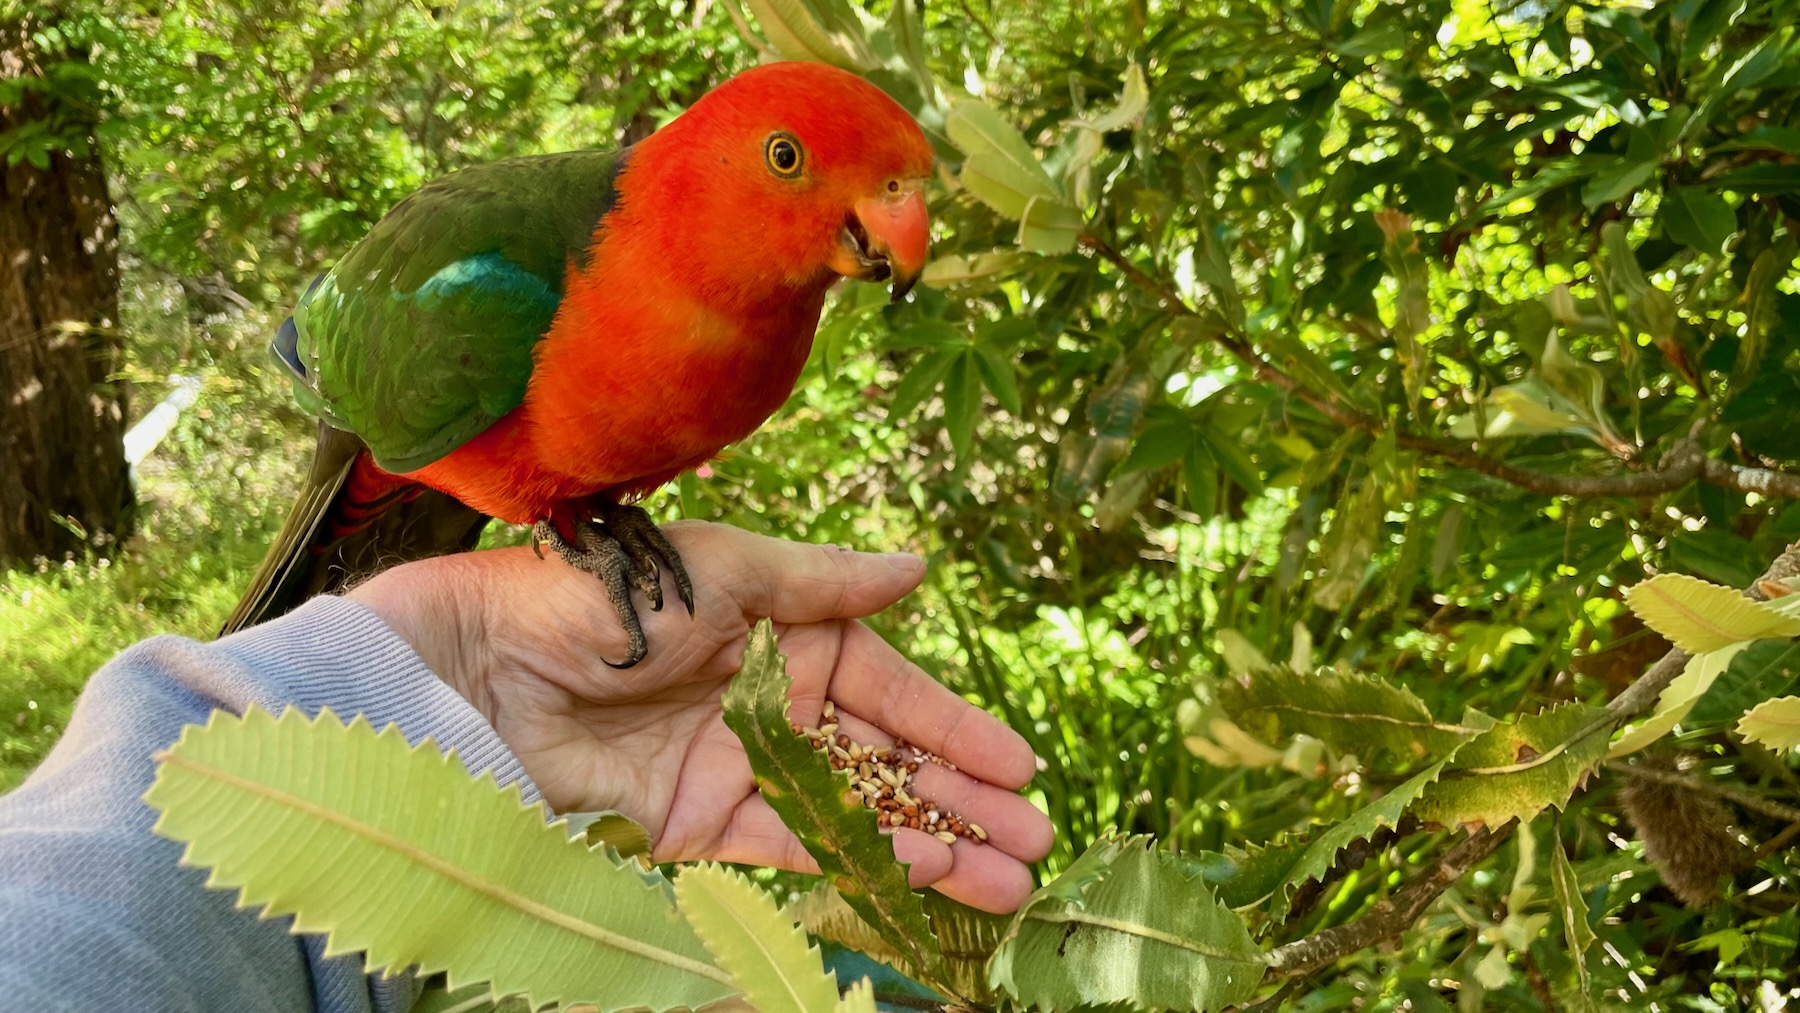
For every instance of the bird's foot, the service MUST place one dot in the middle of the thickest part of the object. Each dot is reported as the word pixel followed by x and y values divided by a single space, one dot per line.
pixel 620 546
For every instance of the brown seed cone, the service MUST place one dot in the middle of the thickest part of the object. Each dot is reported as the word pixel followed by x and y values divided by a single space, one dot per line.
pixel 1688 835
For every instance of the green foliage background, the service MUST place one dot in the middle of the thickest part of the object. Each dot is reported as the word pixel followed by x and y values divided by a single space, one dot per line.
pixel 1339 242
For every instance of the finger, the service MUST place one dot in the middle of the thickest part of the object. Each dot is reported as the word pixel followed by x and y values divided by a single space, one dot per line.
pixel 1012 824
pixel 873 678
pixel 797 582
pixel 756 836
pixel 985 878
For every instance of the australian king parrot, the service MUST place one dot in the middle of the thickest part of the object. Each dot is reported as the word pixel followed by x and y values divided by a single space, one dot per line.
pixel 546 339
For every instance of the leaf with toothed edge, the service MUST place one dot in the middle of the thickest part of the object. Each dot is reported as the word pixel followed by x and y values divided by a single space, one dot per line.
pixel 1517 768
pixel 344 829
pixel 1260 874
pixel 749 935
pixel 1128 923
pixel 814 803
pixel 1349 711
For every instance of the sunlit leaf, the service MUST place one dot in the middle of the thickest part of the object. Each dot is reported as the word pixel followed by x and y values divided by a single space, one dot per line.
pixel 1697 616
pixel 1128 923
pixel 1677 699
pixel 748 935
pixel 1773 723
pixel 1516 769
pixel 1350 711
pixel 283 810
pixel 840 835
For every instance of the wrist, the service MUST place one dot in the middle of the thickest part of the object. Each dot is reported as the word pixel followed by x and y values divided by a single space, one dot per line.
pixel 436 616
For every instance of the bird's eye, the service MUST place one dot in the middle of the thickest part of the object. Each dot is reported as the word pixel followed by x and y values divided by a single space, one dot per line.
pixel 782 153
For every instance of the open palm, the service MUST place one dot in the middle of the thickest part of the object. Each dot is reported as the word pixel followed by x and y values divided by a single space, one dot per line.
pixel 526 641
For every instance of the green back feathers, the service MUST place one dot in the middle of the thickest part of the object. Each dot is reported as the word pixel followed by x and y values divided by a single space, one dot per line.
pixel 422 335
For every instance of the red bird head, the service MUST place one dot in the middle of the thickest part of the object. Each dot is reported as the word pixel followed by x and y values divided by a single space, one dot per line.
pixel 802 173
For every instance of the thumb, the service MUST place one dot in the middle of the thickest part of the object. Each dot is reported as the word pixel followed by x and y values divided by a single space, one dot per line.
pixel 797 582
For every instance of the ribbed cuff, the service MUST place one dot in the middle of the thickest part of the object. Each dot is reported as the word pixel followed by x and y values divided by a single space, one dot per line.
pixel 336 653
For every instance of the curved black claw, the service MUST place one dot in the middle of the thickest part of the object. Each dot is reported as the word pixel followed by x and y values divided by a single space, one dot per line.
pixel 598 553
pixel 644 543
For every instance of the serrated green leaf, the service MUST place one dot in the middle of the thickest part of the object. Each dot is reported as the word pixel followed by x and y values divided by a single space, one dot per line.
pixel 968 938
pixel 626 836
pixel 282 809
pixel 1697 616
pixel 982 133
pixel 1517 768
pixel 859 998
pixel 839 834
pixel 1677 699
pixel 1262 873
pixel 1773 723
pixel 748 935
pixel 1698 217
pixel 1349 711
pixel 1132 924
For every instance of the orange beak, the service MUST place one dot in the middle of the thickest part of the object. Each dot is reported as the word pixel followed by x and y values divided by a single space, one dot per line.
pixel 888 238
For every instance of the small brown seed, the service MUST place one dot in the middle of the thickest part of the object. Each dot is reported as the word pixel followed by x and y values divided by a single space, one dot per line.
pixel 843 740
pixel 946 836
pixel 909 808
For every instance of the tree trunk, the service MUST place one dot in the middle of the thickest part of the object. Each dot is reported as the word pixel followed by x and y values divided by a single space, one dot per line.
pixel 64 483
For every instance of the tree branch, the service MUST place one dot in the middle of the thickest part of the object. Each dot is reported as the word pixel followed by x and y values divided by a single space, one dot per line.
pixel 1395 914
pixel 1683 465
pixel 1392 915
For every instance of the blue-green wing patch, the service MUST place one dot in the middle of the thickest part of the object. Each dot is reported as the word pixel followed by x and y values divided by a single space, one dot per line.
pixel 422 336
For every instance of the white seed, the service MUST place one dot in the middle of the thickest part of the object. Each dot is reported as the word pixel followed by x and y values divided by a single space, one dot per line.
pixel 980 834
pixel 830 708
pixel 812 733
pixel 931 815
pixel 829 728
pixel 840 753
pixel 946 836
pixel 870 788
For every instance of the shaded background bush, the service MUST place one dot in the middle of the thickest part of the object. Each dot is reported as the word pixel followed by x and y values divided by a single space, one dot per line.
pixel 1396 336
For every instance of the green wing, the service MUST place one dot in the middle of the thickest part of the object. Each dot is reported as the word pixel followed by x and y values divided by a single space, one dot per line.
pixel 421 337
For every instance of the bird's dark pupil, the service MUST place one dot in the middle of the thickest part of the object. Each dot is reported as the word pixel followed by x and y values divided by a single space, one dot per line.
pixel 784 155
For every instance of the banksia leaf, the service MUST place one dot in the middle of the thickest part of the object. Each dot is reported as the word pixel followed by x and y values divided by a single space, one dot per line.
pixel 1677 699
pixel 768 957
pixel 1773 723
pixel 1351 712
pixel 1128 924
pixel 1697 616
pixel 1517 768
pixel 396 851
pixel 1275 871
pixel 814 803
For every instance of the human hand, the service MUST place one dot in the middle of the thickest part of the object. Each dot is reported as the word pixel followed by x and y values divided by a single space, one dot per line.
pixel 525 640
